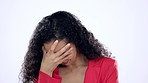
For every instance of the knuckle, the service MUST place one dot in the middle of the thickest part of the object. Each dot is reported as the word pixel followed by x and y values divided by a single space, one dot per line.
pixel 51 50
pixel 64 49
pixel 60 52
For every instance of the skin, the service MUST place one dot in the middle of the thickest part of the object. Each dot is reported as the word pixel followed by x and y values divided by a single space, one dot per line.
pixel 61 52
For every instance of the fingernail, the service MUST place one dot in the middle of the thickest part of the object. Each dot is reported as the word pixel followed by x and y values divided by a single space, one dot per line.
pixel 68 44
pixel 56 41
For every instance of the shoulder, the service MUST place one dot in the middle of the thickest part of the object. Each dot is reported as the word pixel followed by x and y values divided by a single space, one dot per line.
pixel 106 69
pixel 103 62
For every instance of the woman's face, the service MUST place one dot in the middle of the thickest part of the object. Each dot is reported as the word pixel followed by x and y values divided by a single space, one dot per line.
pixel 59 46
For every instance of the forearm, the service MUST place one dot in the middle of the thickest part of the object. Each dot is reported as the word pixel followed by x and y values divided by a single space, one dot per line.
pixel 45 78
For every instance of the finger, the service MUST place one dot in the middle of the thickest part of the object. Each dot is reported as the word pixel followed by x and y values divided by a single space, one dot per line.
pixel 53 46
pixel 44 52
pixel 61 51
pixel 62 60
pixel 66 54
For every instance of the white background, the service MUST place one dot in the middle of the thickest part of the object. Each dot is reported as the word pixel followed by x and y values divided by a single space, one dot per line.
pixel 122 25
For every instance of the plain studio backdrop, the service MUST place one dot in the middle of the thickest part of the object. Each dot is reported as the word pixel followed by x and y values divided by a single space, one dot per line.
pixel 122 25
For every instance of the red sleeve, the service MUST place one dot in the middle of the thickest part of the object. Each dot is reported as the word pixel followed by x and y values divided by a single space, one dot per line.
pixel 44 78
pixel 109 71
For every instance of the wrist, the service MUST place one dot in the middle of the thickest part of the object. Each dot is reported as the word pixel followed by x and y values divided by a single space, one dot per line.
pixel 47 72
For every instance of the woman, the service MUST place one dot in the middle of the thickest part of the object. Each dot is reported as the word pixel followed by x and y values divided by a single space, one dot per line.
pixel 62 50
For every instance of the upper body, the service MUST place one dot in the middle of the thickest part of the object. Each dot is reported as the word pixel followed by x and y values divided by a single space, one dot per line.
pixel 62 50
pixel 103 70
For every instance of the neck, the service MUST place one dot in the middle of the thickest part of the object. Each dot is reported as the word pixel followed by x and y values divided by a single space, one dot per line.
pixel 81 61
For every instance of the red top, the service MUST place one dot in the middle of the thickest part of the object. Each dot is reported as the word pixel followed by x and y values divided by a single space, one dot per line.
pixel 102 70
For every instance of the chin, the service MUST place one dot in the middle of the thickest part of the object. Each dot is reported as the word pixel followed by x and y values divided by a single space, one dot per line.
pixel 66 63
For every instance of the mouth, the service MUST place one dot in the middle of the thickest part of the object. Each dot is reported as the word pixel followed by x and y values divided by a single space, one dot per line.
pixel 65 62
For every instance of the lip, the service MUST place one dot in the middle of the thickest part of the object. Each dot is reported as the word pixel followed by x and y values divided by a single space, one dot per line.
pixel 65 62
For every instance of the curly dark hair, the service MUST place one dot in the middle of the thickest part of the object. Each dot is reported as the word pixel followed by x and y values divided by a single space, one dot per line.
pixel 59 25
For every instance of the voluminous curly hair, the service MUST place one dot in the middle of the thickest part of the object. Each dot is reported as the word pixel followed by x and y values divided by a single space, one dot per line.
pixel 59 25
